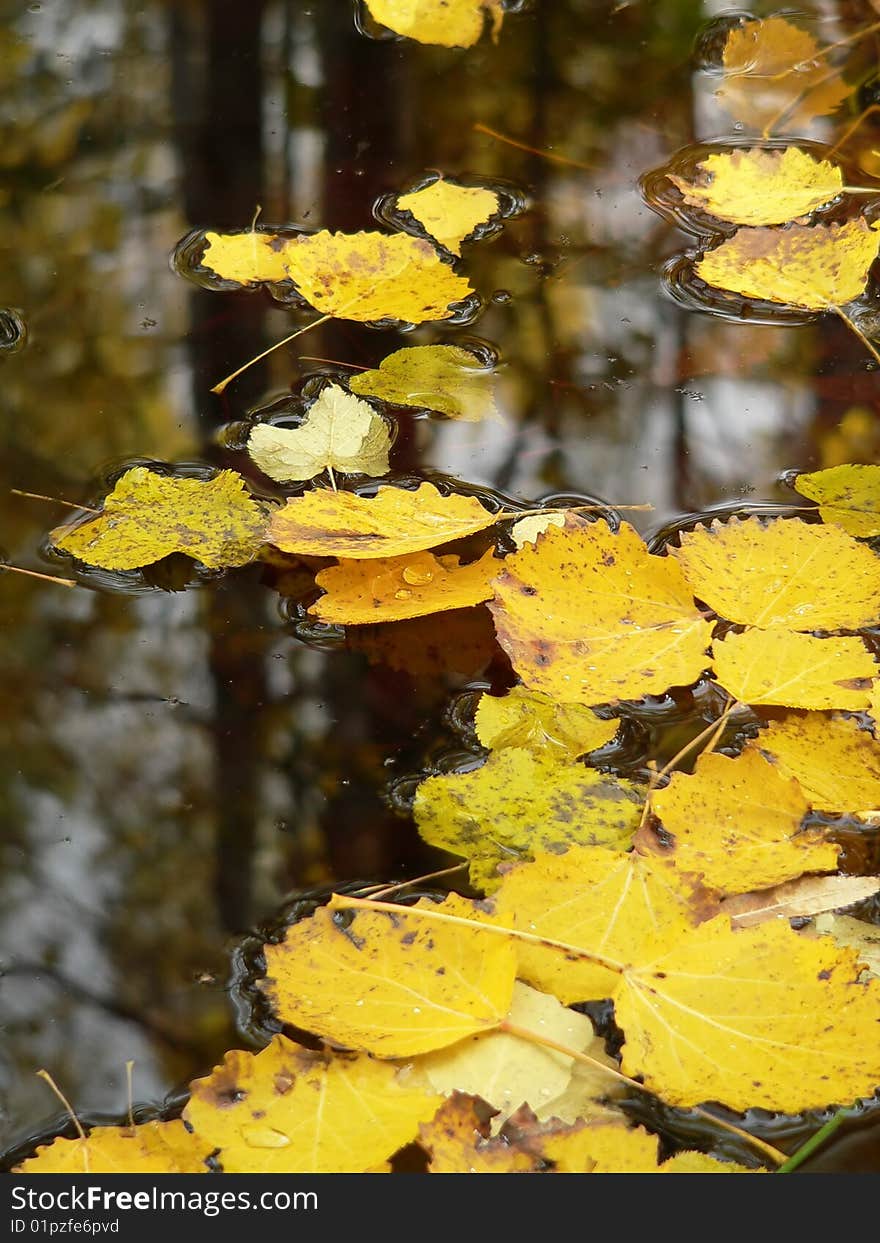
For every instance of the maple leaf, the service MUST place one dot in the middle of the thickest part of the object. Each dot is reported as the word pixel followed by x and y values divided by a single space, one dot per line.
pixel 848 495
pixel 772 75
pixel 450 23
pixel 794 670
pixel 445 378
pixel 782 572
pixel 737 822
pixel 588 615
pixel 394 588
pixel 147 516
pixel 504 1069
pixel 836 764
pixel 758 187
pixel 393 523
pixel 449 212
pixel 519 803
pixel 529 719
pixel 458 1141
pixel 148 1148
pixel 799 899
pixel 339 433
pixel 396 1004
pixel 288 1110
pixel 360 276
pixel 819 267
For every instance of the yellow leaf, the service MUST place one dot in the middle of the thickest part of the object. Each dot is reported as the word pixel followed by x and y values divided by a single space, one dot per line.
pixel 798 899
pixel 147 516
pixel 148 1148
pixel 450 23
pixel 518 804
pixel 464 646
pixel 288 1110
pixel 360 276
pixel 527 530
pixel 393 588
pixel 690 1162
pixel 619 907
pixel 836 764
pixel 771 75
pixel 758 187
pixel 606 1145
pixel 736 822
pixel 445 378
pixel 588 615
pixel 506 1070
pixel 393 523
pixel 855 934
pixel 458 1141
pixel 847 495
pixel 529 719
pixel 782 572
pixel 794 670
pixel 754 1018
pixel 339 432
pixel 371 982
pixel 819 267
pixel 449 212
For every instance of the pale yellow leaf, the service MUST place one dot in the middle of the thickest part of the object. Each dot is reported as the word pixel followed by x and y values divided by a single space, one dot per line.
pixel 523 718
pixel 798 899
pixel 339 433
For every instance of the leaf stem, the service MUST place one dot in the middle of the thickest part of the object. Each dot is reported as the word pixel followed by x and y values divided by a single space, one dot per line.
pixel 56 500
pixel 524 1033
pixel 219 388
pixel 857 330
pixel 48 578
pixel 522 146
pixel 806 1150
pixel 342 902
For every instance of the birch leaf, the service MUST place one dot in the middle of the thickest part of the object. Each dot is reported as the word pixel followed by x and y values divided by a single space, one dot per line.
pixel 529 719
pixel 360 276
pixel 588 615
pixel 449 212
pixel 339 433
pixel 147 516
pixel 794 670
pixel 758 187
pixel 836 764
pixel 394 588
pixel 148 1148
pixel 782 572
pixel 819 267
pixel 847 495
pixel 450 23
pixel 288 1110
pixel 444 378
pixel 393 523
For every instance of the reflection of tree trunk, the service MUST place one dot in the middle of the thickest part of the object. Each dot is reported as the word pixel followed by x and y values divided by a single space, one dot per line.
pixel 218 100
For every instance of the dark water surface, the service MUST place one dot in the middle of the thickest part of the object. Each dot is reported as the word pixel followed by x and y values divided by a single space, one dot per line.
pixel 174 763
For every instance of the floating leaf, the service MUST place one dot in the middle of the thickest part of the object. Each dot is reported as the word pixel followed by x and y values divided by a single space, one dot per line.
pixel 753 1018
pixel 458 1141
pixel 588 615
pixel 451 23
pixel 393 523
pixel 370 982
pixel 794 670
pixel 518 804
pixel 819 267
pixel 445 378
pixel 737 821
pixel 339 433
pixel 393 588
pixel 527 530
pixel 616 906
pixel 758 187
pixel 507 1071
pixel 449 212
pixel 847 495
pixel 463 646
pixel 147 516
pixel 798 899
pixel 855 934
pixel 782 572
pixel 148 1148
pixel 836 764
pixel 772 75
pixel 288 1110
pixel 360 276
pixel 529 719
